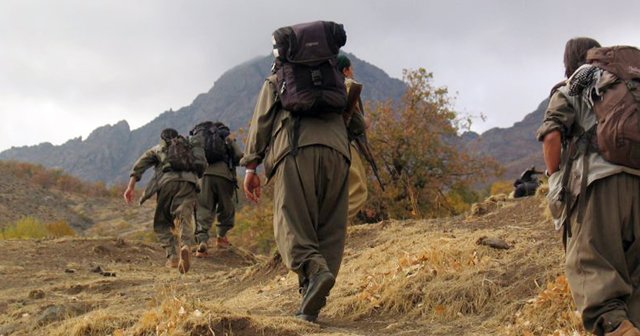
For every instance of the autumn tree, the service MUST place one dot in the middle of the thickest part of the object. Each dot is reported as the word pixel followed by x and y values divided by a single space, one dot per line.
pixel 427 170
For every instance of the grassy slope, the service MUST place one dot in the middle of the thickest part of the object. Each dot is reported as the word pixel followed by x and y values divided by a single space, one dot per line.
pixel 398 278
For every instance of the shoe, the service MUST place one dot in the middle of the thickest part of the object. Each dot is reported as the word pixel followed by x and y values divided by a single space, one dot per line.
pixel 315 297
pixel 185 259
pixel 308 318
pixel 201 251
pixel 172 261
pixel 626 328
pixel 223 243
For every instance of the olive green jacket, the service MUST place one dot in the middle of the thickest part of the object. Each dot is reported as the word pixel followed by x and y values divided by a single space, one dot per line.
pixel 565 113
pixel 155 157
pixel 269 138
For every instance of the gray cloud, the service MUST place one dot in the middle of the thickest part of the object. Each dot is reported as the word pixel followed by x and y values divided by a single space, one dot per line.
pixel 67 67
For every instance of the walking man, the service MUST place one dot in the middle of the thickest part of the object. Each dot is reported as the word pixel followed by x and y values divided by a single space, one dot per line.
pixel 306 154
pixel 177 164
pixel 601 218
pixel 356 127
pixel 218 184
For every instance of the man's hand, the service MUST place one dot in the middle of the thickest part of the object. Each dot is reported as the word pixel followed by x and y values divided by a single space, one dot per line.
pixel 252 186
pixel 128 194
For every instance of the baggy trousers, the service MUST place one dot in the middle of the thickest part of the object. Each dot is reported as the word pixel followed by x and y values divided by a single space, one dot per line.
pixel 603 253
pixel 176 203
pixel 310 210
pixel 215 198
pixel 357 183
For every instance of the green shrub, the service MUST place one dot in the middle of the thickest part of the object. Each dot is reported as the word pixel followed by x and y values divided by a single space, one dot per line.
pixel 32 228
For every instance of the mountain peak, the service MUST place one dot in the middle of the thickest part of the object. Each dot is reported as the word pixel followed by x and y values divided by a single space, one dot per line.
pixel 109 151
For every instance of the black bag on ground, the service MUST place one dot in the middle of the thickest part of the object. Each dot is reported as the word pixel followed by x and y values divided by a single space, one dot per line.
pixel 179 155
pixel 308 80
pixel 214 139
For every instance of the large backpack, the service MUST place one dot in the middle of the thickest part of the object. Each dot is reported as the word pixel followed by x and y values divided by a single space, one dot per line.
pixel 618 109
pixel 179 156
pixel 308 80
pixel 214 136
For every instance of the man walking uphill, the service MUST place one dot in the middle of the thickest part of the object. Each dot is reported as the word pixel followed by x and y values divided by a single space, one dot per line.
pixel 304 147
pixel 219 184
pixel 356 129
pixel 601 214
pixel 177 163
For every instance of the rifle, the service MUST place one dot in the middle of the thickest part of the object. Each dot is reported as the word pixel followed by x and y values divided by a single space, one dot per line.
pixel 363 147
pixel 361 142
pixel 353 98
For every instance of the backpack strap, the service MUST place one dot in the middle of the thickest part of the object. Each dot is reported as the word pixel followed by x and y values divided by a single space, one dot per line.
pixel 294 129
pixel 584 148
pixel 294 135
pixel 557 86
pixel 579 147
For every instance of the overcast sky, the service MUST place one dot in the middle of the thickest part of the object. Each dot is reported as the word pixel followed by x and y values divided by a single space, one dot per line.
pixel 68 67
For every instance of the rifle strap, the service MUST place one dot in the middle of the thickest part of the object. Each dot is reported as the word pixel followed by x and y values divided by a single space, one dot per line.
pixel 294 135
pixel 585 147
pixel 568 156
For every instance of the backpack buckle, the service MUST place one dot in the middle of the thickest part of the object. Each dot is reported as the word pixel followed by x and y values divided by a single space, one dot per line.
pixel 316 77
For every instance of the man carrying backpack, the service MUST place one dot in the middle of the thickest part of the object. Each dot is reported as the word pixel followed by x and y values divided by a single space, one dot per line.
pixel 177 163
pixel 218 184
pixel 601 199
pixel 299 134
pixel 356 127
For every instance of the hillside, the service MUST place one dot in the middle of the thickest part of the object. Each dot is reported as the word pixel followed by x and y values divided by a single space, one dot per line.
pixel 51 196
pixel 426 277
pixel 515 147
pixel 109 151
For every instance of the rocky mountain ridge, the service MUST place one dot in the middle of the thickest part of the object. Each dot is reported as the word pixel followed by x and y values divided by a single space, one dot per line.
pixel 109 151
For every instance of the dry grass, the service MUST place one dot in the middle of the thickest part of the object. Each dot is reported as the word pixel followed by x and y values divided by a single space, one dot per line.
pixel 491 204
pixel 398 278
pixel 446 276
pixel 96 323
pixel 552 312
pixel 184 316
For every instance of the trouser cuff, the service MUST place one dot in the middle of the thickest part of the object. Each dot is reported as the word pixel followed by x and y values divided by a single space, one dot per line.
pixel 609 321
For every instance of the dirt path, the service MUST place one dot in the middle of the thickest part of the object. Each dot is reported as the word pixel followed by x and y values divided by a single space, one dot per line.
pixel 398 278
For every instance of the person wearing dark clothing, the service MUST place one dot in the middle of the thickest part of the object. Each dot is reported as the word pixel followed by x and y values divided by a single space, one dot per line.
pixel 176 198
pixel 527 184
pixel 219 185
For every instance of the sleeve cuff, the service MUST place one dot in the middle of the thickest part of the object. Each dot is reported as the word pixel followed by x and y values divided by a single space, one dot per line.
pixel 547 128
pixel 250 159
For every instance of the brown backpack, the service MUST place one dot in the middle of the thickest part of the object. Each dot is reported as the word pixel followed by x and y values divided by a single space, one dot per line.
pixel 618 109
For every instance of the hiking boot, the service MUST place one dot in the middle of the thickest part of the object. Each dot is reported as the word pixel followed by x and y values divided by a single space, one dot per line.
pixel 315 296
pixel 223 243
pixel 308 318
pixel 185 259
pixel 626 328
pixel 201 251
pixel 172 261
